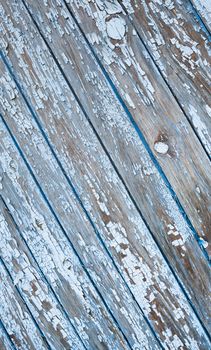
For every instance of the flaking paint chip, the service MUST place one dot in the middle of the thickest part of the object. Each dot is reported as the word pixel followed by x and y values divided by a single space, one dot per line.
pixel 161 147
pixel 116 28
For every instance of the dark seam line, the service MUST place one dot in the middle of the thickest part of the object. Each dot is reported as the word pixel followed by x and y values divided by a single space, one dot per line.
pixel 40 272
pixel 24 302
pixel 64 232
pixel 165 80
pixel 81 204
pixel 7 335
pixel 200 20
pixel 178 281
pixel 141 136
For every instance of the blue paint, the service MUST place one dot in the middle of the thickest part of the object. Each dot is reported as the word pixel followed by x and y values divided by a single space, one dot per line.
pixel 141 136
pixel 146 146
pixel 60 225
pixel 199 19
pixel 80 202
pixel 37 265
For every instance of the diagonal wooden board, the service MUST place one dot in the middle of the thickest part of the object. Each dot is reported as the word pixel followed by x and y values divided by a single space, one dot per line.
pixel 173 234
pixel 150 103
pixel 19 134
pixel 35 290
pixel 52 249
pixel 181 50
pixel 63 272
pixel 5 340
pixel 204 9
pixel 16 317
pixel 70 62
pixel 96 206
pixel 15 185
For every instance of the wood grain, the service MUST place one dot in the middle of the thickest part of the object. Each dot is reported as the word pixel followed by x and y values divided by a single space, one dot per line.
pixel 204 9
pixel 136 261
pixel 36 293
pixel 142 178
pixel 152 106
pixel 79 230
pixel 16 317
pixel 181 51
pixel 60 266
pixel 5 341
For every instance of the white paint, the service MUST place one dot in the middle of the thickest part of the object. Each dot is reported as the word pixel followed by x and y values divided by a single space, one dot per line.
pixel 204 7
pixel 131 261
pixel 200 127
pixel 203 242
pixel 116 28
pixel 161 147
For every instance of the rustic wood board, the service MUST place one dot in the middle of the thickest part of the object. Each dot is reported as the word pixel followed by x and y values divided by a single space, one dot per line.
pixel 5 340
pixel 71 63
pixel 181 50
pixel 16 317
pixel 151 104
pixel 154 274
pixel 23 122
pixel 184 254
pixel 130 295
pixel 67 278
pixel 35 291
pixel 123 207
pixel 204 9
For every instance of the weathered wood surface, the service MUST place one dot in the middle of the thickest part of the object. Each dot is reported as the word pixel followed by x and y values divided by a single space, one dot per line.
pixel 204 9
pixel 78 230
pixel 64 273
pixel 16 317
pixel 86 170
pixel 36 293
pixel 144 270
pixel 129 254
pixel 74 63
pixel 113 243
pixel 152 105
pixel 5 340
pixel 181 50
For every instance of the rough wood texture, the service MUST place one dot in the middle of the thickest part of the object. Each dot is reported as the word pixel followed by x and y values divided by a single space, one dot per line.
pixel 5 341
pixel 204 9
pixel 84 194
pixel 110 129
pixel 89 176
pixel 35 291
pixel 133 259
pixel 15 315
pixel 144 270
pixel 79 231
pixel 180 48
pixel 56 259
pixel 151 104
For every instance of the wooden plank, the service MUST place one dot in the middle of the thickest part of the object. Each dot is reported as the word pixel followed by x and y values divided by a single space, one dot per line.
pixel 82 234
pixel 144 181
pixel 16 317
pixel 62 269
pixel 5 341
pixel 123 231
pixel 180 49
pixel 204 9
pixel 151 104
pixel 35 291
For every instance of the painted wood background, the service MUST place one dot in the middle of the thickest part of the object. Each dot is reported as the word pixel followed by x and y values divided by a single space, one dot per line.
pixel 105 176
